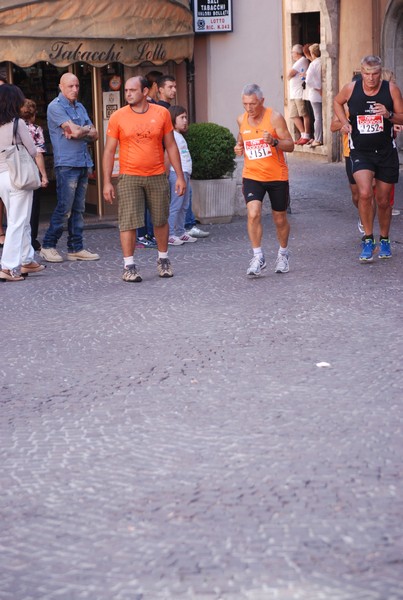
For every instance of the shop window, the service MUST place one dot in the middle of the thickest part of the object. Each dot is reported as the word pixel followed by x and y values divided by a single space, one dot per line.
pixel 40 83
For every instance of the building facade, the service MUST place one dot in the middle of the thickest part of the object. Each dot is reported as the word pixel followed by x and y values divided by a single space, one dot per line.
pixel 104 43
pixel 346 31
pixel 101 42
pixel 259 50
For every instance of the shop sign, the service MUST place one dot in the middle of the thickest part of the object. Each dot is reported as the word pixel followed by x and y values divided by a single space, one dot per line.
pixel 144 50
pixel 212 16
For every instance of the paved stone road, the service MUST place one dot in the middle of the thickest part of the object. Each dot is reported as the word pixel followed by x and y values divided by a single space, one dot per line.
pixel 176 440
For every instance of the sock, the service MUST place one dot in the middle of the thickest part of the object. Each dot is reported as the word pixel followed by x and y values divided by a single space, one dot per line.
pixel 257 252
pixel 368 237
pixel 283 250
pixel 383 237
pixel 128 260
pixel 162 254
pixel 305 136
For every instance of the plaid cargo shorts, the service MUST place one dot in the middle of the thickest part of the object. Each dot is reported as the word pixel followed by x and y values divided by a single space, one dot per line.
pixel 135 192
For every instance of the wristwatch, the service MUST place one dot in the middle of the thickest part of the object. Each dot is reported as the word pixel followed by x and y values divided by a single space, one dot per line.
pixel 275 143
pixel 390 115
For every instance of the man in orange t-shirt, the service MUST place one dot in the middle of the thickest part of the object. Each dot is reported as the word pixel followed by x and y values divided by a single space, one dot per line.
pixel 262 140
pixel 142 131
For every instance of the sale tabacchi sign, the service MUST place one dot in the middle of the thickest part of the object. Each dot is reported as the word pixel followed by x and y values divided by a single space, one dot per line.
pixel 211 16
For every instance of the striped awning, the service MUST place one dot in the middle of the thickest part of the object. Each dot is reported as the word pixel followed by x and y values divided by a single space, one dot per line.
pixel 97 32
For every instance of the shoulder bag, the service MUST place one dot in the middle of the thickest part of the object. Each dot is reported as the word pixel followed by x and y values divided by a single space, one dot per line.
pixel 24 174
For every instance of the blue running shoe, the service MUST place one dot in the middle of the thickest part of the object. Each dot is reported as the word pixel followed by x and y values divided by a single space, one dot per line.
pixel 367 253
pixel 384 248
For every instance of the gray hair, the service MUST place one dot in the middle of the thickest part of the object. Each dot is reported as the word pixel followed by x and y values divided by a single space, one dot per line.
pixel 372 61
pixel 298 49
pixel 252 89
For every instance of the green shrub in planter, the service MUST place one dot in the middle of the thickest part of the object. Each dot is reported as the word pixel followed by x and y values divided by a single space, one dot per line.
pixel 211 147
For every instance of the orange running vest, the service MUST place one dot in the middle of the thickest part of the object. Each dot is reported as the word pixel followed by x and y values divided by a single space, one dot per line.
pixel 262 162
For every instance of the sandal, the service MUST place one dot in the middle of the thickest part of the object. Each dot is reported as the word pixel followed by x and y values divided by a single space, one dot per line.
pixel 32 267
pixel 10 275
pixel 2 235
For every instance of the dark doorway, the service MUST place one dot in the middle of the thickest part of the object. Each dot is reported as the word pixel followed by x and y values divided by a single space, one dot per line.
pixel 305 28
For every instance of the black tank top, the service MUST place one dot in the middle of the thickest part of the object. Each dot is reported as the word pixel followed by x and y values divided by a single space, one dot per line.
pixel 370 131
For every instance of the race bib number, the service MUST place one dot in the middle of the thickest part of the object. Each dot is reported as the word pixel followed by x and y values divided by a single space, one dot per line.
pixel 370 123
pixel 255 149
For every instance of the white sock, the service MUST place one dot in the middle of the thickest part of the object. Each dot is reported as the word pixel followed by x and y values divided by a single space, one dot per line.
pixel 257 252
pixel 305 136
pixel 283 250
pixel 128 260
pixel 162 254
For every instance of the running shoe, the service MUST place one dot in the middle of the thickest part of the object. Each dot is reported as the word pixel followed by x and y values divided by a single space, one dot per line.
pixel 256 265
pixel 384 248
pixel 146 242
pixel 131 274
pixel 282 265
pixel 173 240
pixel 197 232
pixel 367 253
pixel 164 267
pixel 187 238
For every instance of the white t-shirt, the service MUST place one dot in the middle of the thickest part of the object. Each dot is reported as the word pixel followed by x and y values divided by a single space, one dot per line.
pixel 186 159
pixel 314 81
pixel 296 89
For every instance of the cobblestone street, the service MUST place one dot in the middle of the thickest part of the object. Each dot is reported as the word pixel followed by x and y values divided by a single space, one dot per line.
pixel 176 440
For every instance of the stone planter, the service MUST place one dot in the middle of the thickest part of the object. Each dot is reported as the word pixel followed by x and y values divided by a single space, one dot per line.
pixel 213 200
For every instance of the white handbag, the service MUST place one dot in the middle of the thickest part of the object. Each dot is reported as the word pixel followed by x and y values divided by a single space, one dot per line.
pixel 24 174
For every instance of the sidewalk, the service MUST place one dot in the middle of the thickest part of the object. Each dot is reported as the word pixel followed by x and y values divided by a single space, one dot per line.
pixel 177 440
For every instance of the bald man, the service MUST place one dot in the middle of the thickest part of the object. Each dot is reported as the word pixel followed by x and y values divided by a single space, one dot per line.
pixel 70 130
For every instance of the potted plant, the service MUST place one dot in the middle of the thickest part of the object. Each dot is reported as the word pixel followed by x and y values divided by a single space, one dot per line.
pixel 211 147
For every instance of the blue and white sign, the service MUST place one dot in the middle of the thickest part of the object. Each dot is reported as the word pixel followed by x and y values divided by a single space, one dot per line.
pixel 212 16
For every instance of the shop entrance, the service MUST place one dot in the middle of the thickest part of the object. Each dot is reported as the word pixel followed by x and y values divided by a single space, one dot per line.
pixel 101 92
pixel 40 83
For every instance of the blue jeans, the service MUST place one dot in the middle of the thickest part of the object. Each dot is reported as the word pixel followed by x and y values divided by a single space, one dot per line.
pixel 71 188
pixel 178 206
pixel 190 220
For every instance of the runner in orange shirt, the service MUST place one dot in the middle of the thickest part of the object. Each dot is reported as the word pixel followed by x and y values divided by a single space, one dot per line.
pixel 262 140
pixel 142 131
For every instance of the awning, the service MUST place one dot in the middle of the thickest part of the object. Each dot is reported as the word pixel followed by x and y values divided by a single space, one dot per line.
pixel 97 32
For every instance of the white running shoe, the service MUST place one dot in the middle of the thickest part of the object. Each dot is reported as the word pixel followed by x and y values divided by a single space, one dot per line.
pixel 197 233
pixel 187 238
pixel 282 265
pixel 175 241
pixel 256 265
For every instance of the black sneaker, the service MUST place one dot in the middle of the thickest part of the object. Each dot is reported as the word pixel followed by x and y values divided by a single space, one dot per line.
pixel 147 242
pixel 131 274
pixel 164 267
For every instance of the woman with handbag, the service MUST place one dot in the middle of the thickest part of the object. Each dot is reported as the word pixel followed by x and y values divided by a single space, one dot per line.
pixel 18 254
pixel 28 113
